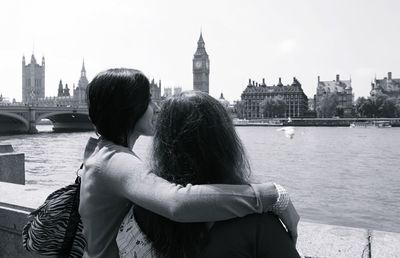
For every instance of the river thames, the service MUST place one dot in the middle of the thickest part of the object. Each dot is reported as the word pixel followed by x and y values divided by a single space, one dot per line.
pixel 335 175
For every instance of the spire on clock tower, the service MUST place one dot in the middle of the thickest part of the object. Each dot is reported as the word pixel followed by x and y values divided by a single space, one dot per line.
pixel 201 41
pixel 83 70
pixel 201 50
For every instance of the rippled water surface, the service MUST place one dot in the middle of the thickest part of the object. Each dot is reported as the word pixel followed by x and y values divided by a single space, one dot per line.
pixel 344 176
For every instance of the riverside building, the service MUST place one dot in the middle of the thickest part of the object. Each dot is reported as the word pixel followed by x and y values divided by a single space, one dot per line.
pixel 80 91
pixel 64 97
pixel 293 95
pixel 168 91
pixel 155 91
pixel 387 85
pixel 4 101
pixel 33 83
pixel 63 91
pixel 343 91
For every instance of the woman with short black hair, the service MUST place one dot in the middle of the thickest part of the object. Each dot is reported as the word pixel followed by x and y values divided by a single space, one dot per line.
pixel 117 99
pixel 113 177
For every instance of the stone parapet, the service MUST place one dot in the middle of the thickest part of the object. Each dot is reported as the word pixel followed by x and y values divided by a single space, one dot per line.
pixel 12 165
pixel 321 240
pixel 6 148
pixel 315 240
pixel 16 202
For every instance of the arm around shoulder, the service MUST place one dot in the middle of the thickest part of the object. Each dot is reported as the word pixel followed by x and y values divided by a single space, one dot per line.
pixel 190 203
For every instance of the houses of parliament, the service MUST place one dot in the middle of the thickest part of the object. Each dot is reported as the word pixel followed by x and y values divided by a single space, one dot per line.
pixel 33 82
pixel 33 87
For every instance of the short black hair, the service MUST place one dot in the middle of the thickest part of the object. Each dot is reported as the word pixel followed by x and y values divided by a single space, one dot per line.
pixel 116 99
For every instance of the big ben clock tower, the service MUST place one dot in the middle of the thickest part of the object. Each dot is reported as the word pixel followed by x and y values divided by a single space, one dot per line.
pixel 201 67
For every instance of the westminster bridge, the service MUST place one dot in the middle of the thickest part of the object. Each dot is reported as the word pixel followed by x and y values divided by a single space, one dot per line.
pixel 24 118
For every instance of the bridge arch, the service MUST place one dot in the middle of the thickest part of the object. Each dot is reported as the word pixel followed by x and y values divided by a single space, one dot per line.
pixel 55 113
pixel 16 117
pixel 66 120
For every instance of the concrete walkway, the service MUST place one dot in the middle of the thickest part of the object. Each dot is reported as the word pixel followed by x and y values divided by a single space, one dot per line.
pixel 315 240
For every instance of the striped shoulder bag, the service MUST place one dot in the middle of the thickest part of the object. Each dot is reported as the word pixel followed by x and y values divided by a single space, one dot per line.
pixel 55 228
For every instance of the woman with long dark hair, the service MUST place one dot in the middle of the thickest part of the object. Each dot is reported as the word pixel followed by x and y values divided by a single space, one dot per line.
pixel 195 143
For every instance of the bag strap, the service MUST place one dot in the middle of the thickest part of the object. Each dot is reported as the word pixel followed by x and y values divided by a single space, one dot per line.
pixel 77 171
pixel 74 216
pixel 74 219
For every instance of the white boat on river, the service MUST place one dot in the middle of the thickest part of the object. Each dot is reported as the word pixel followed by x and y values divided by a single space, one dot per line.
pixel 369 124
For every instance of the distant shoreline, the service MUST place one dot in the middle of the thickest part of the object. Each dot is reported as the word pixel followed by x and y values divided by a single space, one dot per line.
pixel 317 122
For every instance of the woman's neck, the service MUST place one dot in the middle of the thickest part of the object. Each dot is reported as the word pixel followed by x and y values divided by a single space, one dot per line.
pixel 132 137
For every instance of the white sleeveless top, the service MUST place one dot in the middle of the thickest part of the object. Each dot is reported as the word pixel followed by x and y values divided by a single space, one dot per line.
pixel 131 241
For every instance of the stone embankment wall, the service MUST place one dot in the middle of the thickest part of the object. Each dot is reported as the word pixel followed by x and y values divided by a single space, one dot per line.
pixel 315 240
pixel 12 165
pixel 16 201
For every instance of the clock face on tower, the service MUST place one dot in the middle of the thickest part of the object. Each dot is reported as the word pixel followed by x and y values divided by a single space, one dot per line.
pixel 197 64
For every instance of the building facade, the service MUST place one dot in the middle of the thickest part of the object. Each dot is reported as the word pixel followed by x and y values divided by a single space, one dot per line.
pixel 63 91
pixel 64 97
pixel 66 101
pixel 33 80
pixel 80 91
pixel 293 95
pixel 201 67
pixel 311 104
pixel 230 108
pixel 343 91
pixel 387 85
pixel 223 101
pixel 168 91
pixel 155 91
pixel 177 90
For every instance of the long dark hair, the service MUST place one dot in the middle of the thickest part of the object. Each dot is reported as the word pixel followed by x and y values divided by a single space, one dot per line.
pixel 194 142
pixel 116 99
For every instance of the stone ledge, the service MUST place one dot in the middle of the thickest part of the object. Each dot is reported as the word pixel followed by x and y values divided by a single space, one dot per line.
pixel 6 148
pixel 315 239
pixel 28 197
pixel 385 244
pixel 16 202
pixel 322 240
pixel 12 165
pixel 13 220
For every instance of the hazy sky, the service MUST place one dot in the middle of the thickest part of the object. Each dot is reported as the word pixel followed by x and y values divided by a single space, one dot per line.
pixel 244 39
